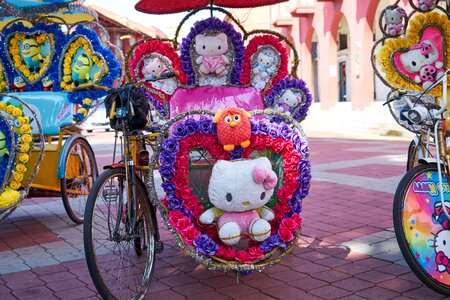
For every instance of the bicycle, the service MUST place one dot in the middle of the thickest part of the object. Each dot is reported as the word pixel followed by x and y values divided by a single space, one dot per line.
pixel 120 214
pixel 422 200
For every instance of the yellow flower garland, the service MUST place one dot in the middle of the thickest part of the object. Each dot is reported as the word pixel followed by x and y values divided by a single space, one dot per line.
pixel 413 32
pixel 10 195
pixel 66 83
pixel 18 61
pixel 2 79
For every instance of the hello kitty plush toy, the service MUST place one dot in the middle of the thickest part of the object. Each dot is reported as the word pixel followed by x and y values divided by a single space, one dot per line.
pixel 239 191
pixel 155 67
pixel 211 50
pixel 263 66
pixel 394 21
pixel 422 63
pixel 288 101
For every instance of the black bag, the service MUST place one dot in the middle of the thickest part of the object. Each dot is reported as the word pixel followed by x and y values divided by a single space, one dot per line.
pixel 131 106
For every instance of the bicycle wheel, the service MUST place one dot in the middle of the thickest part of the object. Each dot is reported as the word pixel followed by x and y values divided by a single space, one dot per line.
pixel 421 226
pixel 120 263
pixel 80 174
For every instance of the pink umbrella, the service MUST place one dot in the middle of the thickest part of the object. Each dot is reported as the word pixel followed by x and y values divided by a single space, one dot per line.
pixel 174 6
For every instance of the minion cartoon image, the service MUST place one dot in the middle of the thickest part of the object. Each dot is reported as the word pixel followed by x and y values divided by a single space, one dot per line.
pixel 31 53
pixel 81 69
pixel 3 150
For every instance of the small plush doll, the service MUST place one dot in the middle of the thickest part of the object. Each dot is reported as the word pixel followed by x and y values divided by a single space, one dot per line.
pixel 19 85
pixel 81 69
pixel 288 101
pixel 233 127
pixel 394 21
pixel 239 191
pixel 426 4
pixel 211 50
pixel 263 66
pixel 422 63
pixel 155 67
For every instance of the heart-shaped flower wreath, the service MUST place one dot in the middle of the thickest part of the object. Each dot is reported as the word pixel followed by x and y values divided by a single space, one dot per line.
pixel 181 208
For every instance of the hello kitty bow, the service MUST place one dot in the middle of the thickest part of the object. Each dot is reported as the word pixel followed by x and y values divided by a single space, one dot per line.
pixel 423 47
pixel 442 259
pixel 268 178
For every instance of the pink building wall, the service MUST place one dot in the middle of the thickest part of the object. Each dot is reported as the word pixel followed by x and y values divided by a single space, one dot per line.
pixel 322 18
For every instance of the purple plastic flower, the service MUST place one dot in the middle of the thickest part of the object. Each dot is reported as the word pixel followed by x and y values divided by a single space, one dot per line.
pixel 179 131
pixel 254 127
pixel 264 126
pixel 174 203
pixel 168 186
pixel 205 126
pixel 166 158
pixel 205 245
pixel 272 242
pixel 166 171
pixel 190 126
pixel 236 153
pixel 286 131
pixel 295 202
pixel 273 132
pixel 170 145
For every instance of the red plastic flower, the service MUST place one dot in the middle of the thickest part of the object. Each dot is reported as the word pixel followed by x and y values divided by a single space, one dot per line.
pixel 255 252
pixel 226 252
pixel 174 216
pixel 190 234
pixel 290 224
pixel 243 256
pixel 285 234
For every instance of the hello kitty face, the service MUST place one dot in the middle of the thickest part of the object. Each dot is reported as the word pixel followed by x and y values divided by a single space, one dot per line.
pixel 241 185
pixel 290 98
pixel 211 45
pixel 265 60
pixel 394 16
pixel 152 67
pixel 419 55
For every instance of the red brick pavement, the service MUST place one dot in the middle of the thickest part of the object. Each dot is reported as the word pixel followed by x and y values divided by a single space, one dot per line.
pixel 317 269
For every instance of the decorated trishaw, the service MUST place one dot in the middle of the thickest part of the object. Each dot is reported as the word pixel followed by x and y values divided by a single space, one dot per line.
pixel 411 59
pixel 230 163
pixel 46 49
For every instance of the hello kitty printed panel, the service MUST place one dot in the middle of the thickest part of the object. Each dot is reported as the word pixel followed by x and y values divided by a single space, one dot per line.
pixel 414 61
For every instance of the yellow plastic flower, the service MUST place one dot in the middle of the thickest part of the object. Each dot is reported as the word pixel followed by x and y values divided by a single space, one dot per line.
pixel 9 109
pixel 2 105
pixel 25 128
pixel 17 112
pixel 21 168
pixel 26 138
pixel 18 176
pixel 24 158
pixel 67 78
pixel 14 185
pixel 82 111
pixel 25 147
pixel 87 101
pixel 8 197
pixel 23 120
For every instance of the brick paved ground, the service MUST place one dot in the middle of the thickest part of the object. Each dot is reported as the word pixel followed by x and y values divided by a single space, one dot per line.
pixel 347 251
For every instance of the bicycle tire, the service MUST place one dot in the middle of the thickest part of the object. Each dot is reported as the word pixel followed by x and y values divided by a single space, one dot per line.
pixel 105 253
pixel 80 174
pixel 416 226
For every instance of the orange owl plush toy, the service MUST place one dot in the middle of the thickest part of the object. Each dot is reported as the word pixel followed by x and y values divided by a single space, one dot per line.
pixel 233 127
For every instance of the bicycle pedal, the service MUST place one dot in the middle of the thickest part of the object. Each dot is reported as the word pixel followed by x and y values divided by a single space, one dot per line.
pixel 159 247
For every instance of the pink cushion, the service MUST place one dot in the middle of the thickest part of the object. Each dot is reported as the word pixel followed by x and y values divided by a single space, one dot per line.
pixel 215 97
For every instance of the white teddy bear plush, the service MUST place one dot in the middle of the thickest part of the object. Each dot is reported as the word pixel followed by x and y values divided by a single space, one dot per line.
pixel 422 62
pixel 239 191
pixel 155 67
pixel 263 68
pixel 394 21
pixel 211 50
pixel 288 101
